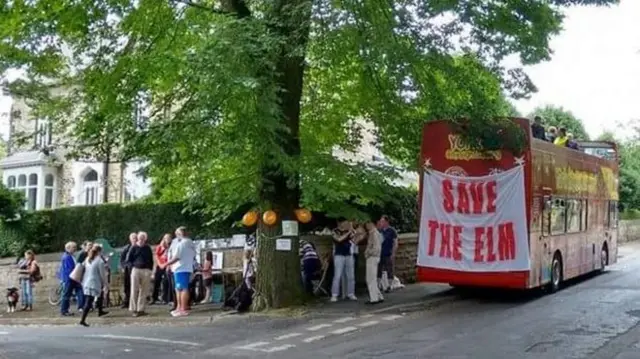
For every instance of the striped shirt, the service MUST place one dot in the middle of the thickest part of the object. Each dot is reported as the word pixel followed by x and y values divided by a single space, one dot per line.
pixel 307 251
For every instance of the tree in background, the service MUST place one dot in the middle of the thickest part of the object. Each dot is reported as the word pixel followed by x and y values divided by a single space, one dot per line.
pixel 629 181
pixel 558 116
pixel 250 99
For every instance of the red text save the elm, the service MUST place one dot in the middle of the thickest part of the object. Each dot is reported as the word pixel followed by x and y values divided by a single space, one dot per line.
pixel 472 198
pixel 491 244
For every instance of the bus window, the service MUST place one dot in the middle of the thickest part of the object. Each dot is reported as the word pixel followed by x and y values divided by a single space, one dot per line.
pixel 558 216
pixel 536 209
pixel 613 214
pixel 584 214
pixel 573 215
pixel 546 215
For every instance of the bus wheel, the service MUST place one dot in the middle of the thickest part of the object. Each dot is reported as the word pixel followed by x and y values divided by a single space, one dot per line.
pixel 604 257
pixel 556 273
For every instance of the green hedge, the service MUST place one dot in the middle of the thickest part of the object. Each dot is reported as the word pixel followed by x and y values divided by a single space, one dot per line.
pixel 48 231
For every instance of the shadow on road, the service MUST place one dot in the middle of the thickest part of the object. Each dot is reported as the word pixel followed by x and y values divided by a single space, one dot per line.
pixel 493 295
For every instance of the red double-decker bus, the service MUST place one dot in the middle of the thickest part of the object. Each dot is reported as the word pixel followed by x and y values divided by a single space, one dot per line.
pixel 571 205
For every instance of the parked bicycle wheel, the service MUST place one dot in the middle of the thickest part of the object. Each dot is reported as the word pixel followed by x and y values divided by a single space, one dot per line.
pixel 55 294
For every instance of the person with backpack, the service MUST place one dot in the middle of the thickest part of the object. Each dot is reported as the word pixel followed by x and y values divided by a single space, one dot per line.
pixel 28 275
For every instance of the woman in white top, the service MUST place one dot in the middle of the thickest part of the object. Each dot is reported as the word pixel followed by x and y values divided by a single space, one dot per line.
pixel 94 282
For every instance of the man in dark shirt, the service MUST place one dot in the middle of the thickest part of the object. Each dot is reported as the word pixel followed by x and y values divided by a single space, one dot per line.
pixel 126 268
pixel 388 252
pixel 537 129
pixel 140 260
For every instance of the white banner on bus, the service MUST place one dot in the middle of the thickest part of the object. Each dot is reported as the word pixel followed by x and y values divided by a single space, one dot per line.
pixel 474 224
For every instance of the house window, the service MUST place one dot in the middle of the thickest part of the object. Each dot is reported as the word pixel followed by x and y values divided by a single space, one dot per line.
pixel 141 111
pixel 11 182
pixel 32 191
pixel 22 185
pixel 48 191
pixel 91 188
pixel 43 133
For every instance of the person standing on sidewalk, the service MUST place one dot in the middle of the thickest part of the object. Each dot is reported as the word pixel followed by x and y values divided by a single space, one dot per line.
pixel 140 260
pixel 372 255
pixel 343 237
pixel 94 282
pixel 126 269
pixel 26 270
pixel 388 252
pixel 67 265
pixel 160 275
pixel 181 260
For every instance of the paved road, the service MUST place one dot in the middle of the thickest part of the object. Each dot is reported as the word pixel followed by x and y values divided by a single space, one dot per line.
pixel 592 319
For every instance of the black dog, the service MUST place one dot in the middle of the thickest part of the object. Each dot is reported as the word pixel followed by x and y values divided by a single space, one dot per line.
pixel 12 299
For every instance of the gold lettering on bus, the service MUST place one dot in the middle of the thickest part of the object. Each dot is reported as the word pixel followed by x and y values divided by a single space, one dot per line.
pixel 460 151
pixel 610 180
pixel 572 181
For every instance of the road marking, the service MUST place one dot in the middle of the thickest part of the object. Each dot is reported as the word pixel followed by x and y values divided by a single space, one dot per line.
pixel 313 339
pixel 344 320
pixel 367 316
pixel 344 330
pixel 318 327
pixel 253 346
pixel 391 317
pixel 4 333
pixel 278 349
pixel 287 336
pixel 368 324
pixel 142 339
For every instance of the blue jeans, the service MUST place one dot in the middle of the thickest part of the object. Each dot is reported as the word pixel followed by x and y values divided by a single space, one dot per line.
pixel 70 287
pixel 27 292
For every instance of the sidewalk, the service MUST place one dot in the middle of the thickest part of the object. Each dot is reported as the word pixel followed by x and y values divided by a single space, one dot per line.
pixel 412 297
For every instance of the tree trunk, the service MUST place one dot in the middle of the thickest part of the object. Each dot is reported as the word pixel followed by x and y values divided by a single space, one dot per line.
pixel 278 282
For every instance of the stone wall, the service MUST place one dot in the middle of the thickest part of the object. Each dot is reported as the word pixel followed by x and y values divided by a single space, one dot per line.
pixel 629 230
pixel 404 265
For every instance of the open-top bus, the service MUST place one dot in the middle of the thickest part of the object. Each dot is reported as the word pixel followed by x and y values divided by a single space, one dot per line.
pixel 571 206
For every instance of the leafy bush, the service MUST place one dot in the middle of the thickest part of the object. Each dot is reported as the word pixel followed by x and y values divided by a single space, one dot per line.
pixel 630 214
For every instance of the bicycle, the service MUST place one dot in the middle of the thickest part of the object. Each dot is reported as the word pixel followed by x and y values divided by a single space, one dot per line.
pixel 55 294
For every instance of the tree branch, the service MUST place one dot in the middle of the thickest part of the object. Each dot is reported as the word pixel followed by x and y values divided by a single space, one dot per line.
pixel 236 8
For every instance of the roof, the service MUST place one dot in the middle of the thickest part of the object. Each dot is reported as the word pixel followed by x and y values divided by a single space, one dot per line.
pixel 26 159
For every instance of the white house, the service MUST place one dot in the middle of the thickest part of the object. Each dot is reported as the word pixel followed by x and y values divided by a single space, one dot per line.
pixel 48 180
pixel 369 152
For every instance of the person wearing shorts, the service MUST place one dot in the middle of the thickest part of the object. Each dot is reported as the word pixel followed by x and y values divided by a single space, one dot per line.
pixel 181 258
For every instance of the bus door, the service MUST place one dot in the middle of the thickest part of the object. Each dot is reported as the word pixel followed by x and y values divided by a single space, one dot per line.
pixel 544 250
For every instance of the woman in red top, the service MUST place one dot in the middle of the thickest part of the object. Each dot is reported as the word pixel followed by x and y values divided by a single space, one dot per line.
pixel 160 275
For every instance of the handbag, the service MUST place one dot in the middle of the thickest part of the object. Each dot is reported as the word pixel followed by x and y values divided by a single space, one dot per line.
pixel 77 273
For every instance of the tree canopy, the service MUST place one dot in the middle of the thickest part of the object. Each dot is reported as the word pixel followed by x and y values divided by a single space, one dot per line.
pixel 558 116
pixel 629 155
pixel 248 99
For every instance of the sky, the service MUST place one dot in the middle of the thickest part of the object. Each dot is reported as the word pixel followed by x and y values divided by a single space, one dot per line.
pixel 595 69
pixel 594 72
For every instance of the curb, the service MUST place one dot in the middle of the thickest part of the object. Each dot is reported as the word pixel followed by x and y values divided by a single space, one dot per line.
pixel 414 306
pixel 113 322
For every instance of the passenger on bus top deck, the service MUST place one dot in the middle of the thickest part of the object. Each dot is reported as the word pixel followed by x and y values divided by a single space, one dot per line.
pixel 537 130
pixel 551 134
pixel 571 143
pixel 561 140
